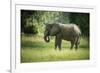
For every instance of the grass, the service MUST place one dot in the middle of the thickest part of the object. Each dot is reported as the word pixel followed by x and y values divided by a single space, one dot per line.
pixel 35 49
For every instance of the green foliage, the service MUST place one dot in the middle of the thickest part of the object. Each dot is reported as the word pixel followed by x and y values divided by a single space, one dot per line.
pixel 35 49
pixel 33 21
pixel 31 29
pixel 27 24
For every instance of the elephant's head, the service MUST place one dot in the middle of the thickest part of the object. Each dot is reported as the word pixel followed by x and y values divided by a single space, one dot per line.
pixel 51 30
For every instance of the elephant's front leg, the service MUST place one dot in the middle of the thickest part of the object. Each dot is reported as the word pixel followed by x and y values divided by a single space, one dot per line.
pixel 77 43
pixel 59 44
pixel 55 42
pixel 58 41
pixel 72 45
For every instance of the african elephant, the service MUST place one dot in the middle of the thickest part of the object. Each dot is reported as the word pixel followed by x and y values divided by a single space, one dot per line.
pixel 68 32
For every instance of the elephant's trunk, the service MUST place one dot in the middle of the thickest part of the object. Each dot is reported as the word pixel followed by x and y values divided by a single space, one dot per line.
pixel 46 38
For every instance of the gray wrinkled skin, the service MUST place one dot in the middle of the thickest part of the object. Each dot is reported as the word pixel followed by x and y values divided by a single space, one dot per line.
pixel 68 32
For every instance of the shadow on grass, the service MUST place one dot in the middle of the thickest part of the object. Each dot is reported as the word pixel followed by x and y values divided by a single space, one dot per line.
pixel 84 46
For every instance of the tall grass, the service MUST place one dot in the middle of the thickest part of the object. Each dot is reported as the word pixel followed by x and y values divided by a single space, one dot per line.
pixel 35 49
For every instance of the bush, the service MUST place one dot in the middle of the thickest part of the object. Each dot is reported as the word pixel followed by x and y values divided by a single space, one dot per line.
pixel 31 29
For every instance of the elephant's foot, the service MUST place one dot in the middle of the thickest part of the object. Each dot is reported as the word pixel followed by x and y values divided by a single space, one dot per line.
pixel 55 48
pixel 71 48
pixel 76 48
pixel 59 49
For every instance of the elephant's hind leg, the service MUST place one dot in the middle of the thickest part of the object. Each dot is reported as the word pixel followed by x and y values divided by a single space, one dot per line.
pixel 76 46
pixel 72 45
pixel 77 43
pixel 59 44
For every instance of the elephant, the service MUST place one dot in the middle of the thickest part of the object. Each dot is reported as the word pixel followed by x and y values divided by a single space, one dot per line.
pixel 69 32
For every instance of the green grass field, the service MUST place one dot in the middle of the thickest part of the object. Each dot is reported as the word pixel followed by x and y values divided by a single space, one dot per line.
pixel 35 49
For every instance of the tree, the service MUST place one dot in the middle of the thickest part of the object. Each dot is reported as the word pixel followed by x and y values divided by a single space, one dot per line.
pixel 82 20
pixel 27 25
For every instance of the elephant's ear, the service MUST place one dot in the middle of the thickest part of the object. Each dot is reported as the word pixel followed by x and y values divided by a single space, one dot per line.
pixel 55 29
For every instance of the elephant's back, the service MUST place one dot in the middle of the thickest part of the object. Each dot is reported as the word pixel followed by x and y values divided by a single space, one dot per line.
pixel 69 31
